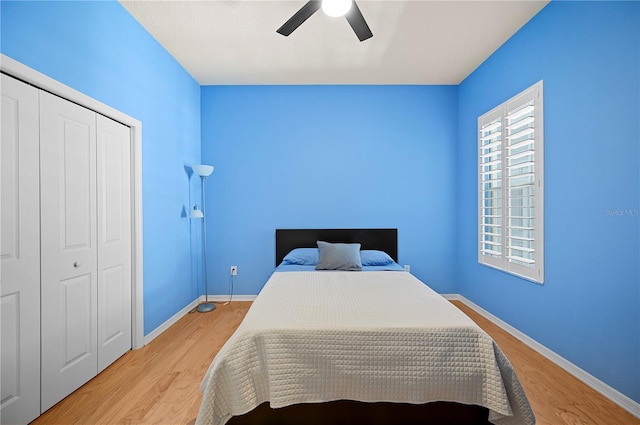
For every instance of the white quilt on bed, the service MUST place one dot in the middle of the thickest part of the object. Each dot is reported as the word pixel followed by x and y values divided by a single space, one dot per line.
pixel 365 336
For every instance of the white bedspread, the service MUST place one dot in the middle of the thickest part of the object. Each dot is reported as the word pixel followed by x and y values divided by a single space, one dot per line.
pixel 365 336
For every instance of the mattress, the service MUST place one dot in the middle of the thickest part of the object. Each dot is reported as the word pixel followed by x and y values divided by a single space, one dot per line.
pixel 313 337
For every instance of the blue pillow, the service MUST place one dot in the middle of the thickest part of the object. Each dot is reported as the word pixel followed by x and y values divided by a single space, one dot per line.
pixel 372 257
pixel 339 256
pixel 302 256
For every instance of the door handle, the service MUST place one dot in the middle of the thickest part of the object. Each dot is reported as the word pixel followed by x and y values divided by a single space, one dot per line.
pixel 76 264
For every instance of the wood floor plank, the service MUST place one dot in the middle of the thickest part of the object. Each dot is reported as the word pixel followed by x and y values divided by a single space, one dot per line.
pixel 160 383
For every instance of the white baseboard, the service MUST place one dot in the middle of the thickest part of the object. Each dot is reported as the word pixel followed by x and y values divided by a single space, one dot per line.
pixel 173 319
pixel 612 394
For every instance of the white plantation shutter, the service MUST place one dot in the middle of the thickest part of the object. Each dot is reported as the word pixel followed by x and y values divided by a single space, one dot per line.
pixel 491 188
pixel 510 195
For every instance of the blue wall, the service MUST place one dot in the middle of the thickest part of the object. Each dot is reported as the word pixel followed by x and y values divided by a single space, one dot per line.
pixel 588 54
pixel 98 49
pixel 329 156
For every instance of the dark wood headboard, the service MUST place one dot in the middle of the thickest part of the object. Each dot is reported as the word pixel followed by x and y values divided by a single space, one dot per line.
pixel 382 239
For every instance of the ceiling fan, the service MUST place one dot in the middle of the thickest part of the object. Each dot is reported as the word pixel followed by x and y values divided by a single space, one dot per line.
pixel 346 8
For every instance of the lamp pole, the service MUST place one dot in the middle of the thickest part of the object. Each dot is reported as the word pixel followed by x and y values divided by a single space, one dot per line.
pixel 204 171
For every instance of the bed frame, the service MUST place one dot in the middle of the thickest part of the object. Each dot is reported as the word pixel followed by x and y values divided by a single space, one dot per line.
pixel 382 239
pixel 347 412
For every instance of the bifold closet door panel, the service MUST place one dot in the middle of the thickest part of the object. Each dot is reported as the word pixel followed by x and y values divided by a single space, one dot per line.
pixel 20 270
pixel 69 253
pixel 114 240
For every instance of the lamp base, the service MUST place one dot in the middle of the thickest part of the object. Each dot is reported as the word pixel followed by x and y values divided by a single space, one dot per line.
pixel 206 307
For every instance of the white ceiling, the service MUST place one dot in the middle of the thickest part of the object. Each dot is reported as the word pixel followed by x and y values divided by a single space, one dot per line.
pixel 414 42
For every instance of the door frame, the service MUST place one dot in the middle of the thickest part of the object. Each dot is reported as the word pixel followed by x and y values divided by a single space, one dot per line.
pixel 22 72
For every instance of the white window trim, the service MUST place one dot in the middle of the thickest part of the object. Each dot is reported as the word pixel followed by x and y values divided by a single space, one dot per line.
pixel 501 262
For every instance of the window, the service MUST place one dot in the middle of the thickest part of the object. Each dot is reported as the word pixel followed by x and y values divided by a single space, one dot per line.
pixel 510 186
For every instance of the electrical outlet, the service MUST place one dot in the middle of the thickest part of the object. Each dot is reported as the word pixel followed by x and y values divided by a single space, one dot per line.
pixel 234 270
pixel 407 268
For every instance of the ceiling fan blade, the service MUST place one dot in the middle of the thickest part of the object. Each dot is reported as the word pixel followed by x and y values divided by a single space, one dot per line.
pixel 357 22
pixel 300 16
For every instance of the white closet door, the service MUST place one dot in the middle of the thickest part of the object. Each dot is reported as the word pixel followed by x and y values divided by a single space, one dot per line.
pixel 20 270
pixel 114 241
pixel 69 247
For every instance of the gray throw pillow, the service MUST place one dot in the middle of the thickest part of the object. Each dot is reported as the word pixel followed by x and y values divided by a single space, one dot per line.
pixel 339 256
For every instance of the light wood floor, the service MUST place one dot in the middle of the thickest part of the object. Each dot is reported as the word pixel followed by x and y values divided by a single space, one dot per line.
pixel 159 384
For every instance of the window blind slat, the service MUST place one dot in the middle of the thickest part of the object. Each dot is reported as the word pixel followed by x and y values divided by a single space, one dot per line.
pixel 519 123
pixel 491 252
pixel 515 114
pixel 520 144
pixel 491 126
pixel 524 260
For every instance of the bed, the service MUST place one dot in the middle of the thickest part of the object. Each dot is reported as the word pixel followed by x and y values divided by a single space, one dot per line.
pixel 373 346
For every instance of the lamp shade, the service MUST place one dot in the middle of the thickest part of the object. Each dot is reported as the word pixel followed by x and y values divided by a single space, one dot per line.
pixel 196 212
pixel 202 170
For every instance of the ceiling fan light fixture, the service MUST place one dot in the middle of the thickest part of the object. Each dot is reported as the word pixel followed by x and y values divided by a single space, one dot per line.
pixel 336 8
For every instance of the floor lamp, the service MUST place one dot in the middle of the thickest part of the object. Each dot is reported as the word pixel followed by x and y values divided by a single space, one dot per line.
pixel 203 171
